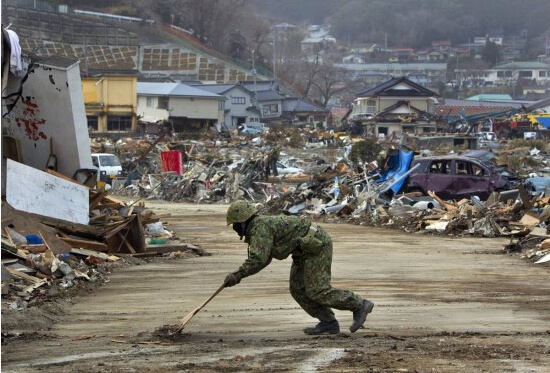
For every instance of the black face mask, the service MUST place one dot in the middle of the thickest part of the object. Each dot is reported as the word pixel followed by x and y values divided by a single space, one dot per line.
pixel 240 228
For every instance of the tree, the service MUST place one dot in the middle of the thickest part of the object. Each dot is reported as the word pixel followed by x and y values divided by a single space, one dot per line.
pixel 212 21
pixel 328 82
pixel 491 53
pixel 365 150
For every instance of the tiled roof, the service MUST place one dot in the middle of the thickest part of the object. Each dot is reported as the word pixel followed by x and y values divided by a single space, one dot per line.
pixel 292 104
pixel 269 95
pixel 456 111
pixel 385 89
pixel 523 65
pixel 490 96
pixel 339 112
pixel 216 88
pixel 539 104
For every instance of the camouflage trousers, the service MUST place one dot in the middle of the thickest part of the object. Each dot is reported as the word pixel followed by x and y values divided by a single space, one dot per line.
pixel 310 286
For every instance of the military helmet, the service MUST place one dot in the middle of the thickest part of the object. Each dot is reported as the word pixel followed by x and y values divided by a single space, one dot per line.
pixel 239 212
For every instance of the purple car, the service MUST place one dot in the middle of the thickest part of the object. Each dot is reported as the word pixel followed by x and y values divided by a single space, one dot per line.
pixel 457 177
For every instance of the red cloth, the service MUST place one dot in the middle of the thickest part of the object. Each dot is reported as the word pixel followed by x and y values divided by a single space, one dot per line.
pixel 172 160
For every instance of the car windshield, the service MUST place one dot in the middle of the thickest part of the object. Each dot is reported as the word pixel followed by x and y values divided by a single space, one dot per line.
pixel 106 160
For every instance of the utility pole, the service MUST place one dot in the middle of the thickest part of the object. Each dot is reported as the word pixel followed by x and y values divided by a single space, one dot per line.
pixel 254 74
pixel 274 58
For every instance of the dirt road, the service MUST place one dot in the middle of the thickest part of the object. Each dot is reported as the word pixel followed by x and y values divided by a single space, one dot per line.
pixel 442 304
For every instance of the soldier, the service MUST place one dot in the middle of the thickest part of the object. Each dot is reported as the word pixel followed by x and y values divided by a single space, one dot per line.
pixel 273 159
pixel 265 164
pixel 278 237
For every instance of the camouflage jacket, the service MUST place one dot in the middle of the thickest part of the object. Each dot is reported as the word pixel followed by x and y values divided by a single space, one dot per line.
pixel 271 237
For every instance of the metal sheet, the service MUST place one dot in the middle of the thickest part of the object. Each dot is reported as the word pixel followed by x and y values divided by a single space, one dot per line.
pixel 31 190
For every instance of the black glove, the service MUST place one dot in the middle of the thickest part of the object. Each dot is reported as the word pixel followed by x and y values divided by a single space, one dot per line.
pixel 232 279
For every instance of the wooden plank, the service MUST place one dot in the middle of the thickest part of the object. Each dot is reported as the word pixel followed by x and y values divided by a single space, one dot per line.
pixel 99 217
pixel 85 244
pixel 87 252
pixel 23 276
pixel 528 220
pixel 32 287
pixel 111 199
pixel 7 231
pixel 445 205
pixel 109 205
pixel 31 190
pixel 126 243
pixel 524 197
pixel 35 249
pixel 96 200
pixel 62 176
pixel 118 227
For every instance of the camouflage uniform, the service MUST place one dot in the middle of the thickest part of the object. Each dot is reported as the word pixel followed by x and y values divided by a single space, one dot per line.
pixel 278 237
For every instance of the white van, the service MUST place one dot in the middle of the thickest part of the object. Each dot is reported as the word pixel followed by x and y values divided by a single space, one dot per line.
pixel 108 166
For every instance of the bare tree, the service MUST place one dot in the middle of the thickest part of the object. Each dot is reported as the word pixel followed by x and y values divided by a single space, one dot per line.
pixel 328 82
pixel 212 21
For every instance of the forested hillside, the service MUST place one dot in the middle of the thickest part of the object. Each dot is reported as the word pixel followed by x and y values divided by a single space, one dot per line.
pixel 415 22
pixel 231 25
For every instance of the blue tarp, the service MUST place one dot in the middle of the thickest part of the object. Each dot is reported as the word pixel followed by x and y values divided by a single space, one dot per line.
pixel 398 164
pixel 544 121
pixel 540 184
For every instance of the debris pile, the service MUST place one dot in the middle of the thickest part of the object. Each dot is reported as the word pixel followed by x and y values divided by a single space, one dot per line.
pixel 44 256
pixel 339 190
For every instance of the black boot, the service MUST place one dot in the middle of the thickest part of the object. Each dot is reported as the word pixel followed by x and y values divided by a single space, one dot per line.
pixel 324 327
pixel 360 315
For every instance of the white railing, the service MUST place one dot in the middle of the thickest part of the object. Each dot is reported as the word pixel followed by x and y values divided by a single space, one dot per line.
pixel 113 16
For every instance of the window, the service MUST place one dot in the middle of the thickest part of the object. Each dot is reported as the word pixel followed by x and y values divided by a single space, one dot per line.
pixel 109 160
pixel 163 102
pixel 238 100
pixel 542 74
pixel 500 74
pixel 221 105
pixel 526 74
pixel 149 102
pixel 371 106
pixel 477 170
pixel 463 168
pixel 270 109
pixel 119 123
pixel 440 167
pixel 92 123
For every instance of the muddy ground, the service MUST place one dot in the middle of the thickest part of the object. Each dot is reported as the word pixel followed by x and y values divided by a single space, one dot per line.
pixel 442 304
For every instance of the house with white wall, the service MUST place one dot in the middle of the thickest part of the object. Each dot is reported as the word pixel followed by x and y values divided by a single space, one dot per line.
pixel 186 108
pixel 240 103
pixel 48 121
pixel 394 107
pixel 509 73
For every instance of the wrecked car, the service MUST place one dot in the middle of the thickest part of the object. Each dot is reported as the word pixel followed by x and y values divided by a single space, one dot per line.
pixel 457 177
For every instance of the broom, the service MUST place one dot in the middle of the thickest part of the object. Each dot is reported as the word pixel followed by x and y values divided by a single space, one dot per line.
pixel 190 315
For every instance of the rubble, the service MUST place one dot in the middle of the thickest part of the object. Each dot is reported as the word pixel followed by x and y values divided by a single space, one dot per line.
pixel 45 256
pixel 337 188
